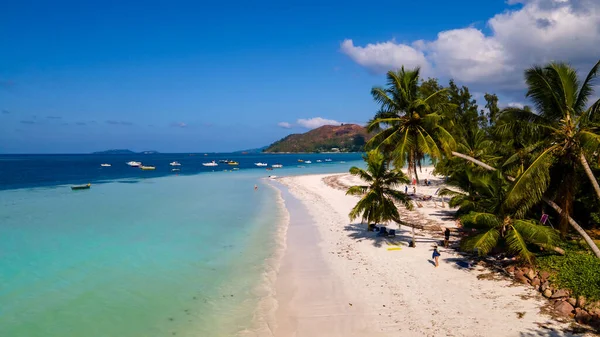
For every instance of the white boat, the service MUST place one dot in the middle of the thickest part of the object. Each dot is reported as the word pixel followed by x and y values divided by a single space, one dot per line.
pixel 105 165
pixel 261 164
pixel 327 159
pixel 175 163
pixel 175 170
pixel 134 163
pixel 308 162
pixel 212 163
pixel 276 166
pixel 319 160
pixel 272 177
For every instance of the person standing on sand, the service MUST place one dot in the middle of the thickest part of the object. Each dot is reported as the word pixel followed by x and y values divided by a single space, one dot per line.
pixel 255 187
pixel 446 237
pixel 414 190
pixel 405 189
pixel 436 256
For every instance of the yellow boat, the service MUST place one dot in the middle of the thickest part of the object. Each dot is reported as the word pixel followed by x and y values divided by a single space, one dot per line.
pixel 147 168
pixel 300 161
pixel 233 163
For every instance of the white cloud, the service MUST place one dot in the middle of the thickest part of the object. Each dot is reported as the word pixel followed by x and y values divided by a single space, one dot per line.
pixel 539 31
pixel 516 105
pixel 313 123
pixel 384 56
pixel 179 125
pixel 284 125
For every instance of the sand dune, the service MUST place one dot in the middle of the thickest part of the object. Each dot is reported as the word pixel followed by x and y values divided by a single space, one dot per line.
pixel 337 279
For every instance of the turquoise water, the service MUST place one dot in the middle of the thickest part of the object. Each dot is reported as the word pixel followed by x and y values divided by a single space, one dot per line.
pixel 178 255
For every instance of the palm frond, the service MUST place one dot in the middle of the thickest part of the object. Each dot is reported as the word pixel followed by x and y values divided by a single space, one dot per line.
pixel 587 88
pixel 483 243
pixel 536 233
pixel 516 244
pixel 480 220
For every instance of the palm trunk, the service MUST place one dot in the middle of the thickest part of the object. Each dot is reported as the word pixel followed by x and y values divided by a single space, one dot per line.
pixel 578 228
pixel 590 174
pixel 552 204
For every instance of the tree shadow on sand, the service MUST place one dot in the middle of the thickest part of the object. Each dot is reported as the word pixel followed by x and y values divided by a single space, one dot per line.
pixel 358 231
pixel 544 331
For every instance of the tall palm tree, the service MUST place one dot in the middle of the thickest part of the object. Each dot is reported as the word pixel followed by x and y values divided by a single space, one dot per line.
pixel 408 124
pixel 482 202
pixel 379 196
pixel 565 132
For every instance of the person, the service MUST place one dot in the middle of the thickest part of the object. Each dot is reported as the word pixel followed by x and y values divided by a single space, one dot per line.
pixel 426 182
pixel 255 187
pixel 436 256
pixel 414 190
pixel 446 237
pixel 405 189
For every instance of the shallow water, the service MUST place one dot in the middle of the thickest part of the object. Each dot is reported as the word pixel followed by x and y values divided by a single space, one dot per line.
pixel 182 255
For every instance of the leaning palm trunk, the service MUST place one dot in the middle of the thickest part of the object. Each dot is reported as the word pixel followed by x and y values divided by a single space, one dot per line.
pixel 552 204
pixel 588 171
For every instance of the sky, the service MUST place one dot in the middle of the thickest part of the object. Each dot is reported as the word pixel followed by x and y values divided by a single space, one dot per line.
pixel 199 76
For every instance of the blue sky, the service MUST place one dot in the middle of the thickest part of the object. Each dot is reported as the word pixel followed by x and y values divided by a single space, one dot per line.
pixel 221 76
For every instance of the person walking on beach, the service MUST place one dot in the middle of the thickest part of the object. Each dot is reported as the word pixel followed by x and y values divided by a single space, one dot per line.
pixel 405 189
pixel 414 190
pixel 255 187
pixel 446 237
pixel 436 256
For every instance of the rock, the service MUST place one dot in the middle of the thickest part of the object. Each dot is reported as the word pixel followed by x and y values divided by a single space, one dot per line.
pixel 547 293
pixel 572 301
pixel 530 274
pixel 545 285
pixel 510 269
pixel 560 293
pixel 535 282
pixel 563 308
pixel 519 273
pixel 544 275
pixel 582 316
pixel 522 279
pixel 580 301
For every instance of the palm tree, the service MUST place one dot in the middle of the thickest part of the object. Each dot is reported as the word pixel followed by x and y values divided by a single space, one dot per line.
pixel 379 196
pixel 565 134
pixel 482 196
pixel 407 123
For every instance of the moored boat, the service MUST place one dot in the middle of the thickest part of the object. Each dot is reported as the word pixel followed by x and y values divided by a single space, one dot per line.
pixel 105 165
pixel 319 160
pixel 134 163
pixel 276 166
pixel 212 163
pixel 308 162
pixel 300 161
pixel 233 163
pixel 148 168
pixel 328 159
pixel 81 187
pixel 261 164
pixel 175 163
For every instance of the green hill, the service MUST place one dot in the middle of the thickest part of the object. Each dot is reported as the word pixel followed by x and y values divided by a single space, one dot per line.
pixel 328 138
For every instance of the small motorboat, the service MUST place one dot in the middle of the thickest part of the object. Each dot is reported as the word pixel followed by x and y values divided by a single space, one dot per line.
pixel 308 162
pixel 175 163
pixel 272 177
pixel 148 168
pixel 234 163
pixel 105 165
pixel 300 161
pixel 134 163
pixel 236 168
pixel 276 166
pixel 319 161
pixel 81 187
pixel 175 170
pixel 212 163
pixel 328 159
pixel 223 161
pixel 261 164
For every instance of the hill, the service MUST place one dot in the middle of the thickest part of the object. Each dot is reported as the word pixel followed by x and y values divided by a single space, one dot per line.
pixel 120 151
pixel 328 138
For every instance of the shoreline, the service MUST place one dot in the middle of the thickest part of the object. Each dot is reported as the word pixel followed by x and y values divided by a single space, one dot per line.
pixel 355 286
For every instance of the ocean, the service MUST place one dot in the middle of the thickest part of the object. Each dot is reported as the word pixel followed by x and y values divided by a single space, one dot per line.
pixel 141 253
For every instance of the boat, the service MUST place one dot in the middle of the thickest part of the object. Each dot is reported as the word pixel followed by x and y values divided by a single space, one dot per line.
pixel 319 160
pixel 272 177
pixel 212 163
pixel 105 165
pixel 175 163
pixel 276 166
pixel 233 163
pixel 236 168
pixel 261 164
pixel 81 187
pixel 308 162
pixel 328 159
pixel 300 161
pixel 134 163
pixel 224 161
pixel 148 168
pixel 175 170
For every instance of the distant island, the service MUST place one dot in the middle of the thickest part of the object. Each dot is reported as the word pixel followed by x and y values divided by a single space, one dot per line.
pixel 120 151
pixel 327 138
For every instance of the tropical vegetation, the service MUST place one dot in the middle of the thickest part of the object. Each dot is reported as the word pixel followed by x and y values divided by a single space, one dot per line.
pixel 504 167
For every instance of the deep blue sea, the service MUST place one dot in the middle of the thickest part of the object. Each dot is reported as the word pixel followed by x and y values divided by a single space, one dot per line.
pixel 141 253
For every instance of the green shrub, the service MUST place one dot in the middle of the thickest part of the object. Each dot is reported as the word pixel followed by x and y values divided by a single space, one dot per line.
pixel 578 271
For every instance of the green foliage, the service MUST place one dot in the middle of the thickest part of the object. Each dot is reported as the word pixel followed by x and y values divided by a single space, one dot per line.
pixel 578 271
pixel 379 195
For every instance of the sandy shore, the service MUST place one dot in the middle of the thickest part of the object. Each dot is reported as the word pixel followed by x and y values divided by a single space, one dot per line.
pixel 337 279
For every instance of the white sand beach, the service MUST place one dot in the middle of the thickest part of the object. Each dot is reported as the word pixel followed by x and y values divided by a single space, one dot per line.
pixel 337 279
